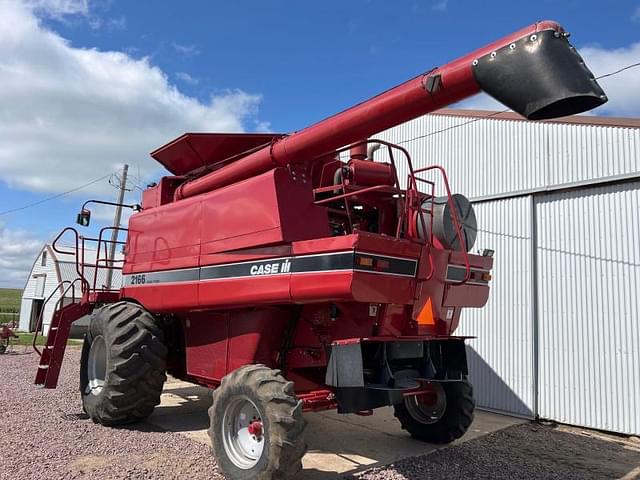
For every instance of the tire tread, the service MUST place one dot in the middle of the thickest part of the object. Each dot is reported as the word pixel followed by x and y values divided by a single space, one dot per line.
pixel 456 420
pixel 284 410
pixel 136 372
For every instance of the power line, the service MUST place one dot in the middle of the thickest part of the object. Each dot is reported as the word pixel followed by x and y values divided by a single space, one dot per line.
pixel 493 114
pixel 17 209
pixel 454 126
pixel 618 71
pixel 610 74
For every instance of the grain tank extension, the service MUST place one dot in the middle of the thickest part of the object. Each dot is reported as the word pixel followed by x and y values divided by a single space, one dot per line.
pixel 302 272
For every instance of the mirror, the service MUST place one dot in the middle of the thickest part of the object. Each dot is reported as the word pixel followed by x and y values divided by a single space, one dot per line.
pixel 84 217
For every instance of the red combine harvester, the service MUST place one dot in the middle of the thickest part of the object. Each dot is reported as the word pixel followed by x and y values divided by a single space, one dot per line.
pixel 291 278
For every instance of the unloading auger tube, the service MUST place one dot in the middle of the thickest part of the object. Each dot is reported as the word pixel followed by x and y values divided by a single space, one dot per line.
pixel 535 71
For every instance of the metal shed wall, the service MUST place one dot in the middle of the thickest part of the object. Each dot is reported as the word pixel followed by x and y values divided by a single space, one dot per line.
pixel 501 357
pixel 588 249
pixel 492 158
pixel 559 337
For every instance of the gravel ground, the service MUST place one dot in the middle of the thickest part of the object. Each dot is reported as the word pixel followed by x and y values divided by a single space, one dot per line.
pixel 529 451
pixel 45 434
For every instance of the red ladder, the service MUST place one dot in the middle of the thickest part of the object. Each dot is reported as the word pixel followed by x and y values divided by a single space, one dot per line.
pixel 53 352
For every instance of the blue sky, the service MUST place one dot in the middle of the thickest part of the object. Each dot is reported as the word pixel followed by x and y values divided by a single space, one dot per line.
pixel 90 85
pixel 311 59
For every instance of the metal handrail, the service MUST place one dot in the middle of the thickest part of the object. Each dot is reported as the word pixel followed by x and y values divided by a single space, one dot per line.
pixel 351 194
pixel 406 197
pixel 342 186
pixel 454 216
pixel 79 251
pixel 55 309
pixel 79 271
pixel 107 260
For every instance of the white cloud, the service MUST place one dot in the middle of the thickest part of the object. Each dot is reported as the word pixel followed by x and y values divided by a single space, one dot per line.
pixel 18 249
pixel 263 126
pixel 70 115
pixel 59 8
pixel 115 23
pixel 186 78
pixel 440 5
pixel 186 50
pixel 623 89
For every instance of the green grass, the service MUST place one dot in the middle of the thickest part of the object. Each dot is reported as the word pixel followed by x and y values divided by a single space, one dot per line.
pixel 10 299
pixel 27 339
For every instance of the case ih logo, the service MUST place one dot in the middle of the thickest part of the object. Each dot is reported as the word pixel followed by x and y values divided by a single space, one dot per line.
pixel 329 262
pixel 271 268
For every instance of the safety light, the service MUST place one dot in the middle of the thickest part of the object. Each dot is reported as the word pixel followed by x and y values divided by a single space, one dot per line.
pixel 365 261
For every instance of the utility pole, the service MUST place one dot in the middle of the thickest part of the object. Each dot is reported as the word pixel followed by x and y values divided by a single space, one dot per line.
pixel 116 224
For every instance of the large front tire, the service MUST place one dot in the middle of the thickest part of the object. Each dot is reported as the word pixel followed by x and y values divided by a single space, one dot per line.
pixel 123 364
pixel 444 416
pixel 256 425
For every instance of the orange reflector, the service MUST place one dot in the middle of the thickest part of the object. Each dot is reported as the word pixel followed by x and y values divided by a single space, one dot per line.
pixel 365 261
pixel 486 277
pixel 426 314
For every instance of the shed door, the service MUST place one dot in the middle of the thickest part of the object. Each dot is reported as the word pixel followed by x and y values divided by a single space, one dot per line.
pixel 501 357
pixel 40 281
pixel 589 279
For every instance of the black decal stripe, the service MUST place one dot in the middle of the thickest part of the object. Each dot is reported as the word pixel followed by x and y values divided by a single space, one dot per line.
pixel 322 263
pixel 168 276
pixel 457 273
pixel 336 261
pixel 240 269
pixel 383 264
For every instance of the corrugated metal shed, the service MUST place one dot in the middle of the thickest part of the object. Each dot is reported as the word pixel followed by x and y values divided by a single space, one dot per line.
pixel 559 337
pixel 508 156
pixel 588 248
pixel 502 371
pixel 504 155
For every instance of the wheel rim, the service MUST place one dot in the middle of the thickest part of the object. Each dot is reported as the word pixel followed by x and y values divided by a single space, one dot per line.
pixel 242 433
pixel 429 407
pixel 97 365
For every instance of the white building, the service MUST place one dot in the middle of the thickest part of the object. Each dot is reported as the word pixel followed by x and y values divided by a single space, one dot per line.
pixel 49 269
pixel 559 202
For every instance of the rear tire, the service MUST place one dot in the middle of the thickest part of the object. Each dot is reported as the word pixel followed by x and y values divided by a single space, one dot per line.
pixel 123 364
pixel 451 424
pixel 256 425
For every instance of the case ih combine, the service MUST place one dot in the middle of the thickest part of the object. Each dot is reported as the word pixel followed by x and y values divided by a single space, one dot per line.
pixel 291 279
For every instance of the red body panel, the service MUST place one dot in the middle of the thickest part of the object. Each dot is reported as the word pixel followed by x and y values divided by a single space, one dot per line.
pixel 232 317
pixel 207 343
pixel 244 291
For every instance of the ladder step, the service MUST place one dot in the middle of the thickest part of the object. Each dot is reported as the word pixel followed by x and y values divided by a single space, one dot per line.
pixel 53 350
